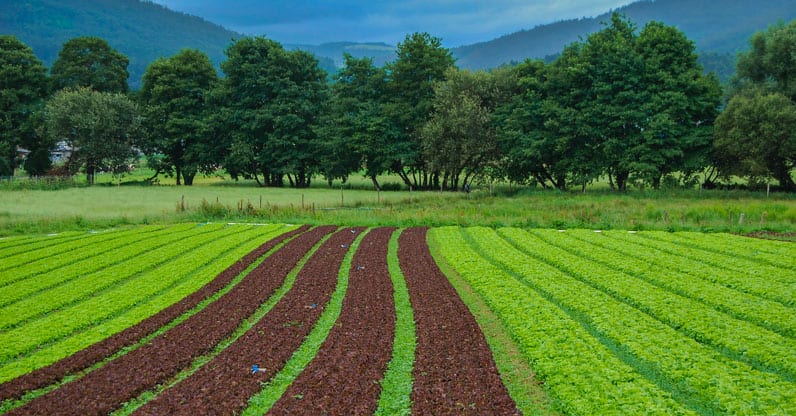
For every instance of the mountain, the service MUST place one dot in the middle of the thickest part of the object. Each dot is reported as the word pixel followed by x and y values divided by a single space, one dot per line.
pixel 141 30
pixel 381 53
pixel 719 28
pixel 145 31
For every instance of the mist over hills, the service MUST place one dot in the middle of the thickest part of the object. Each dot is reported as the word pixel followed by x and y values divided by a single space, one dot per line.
pixel 145 31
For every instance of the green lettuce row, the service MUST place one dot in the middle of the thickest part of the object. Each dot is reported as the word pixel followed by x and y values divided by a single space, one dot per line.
pixel 738 339
pixel 14 266
pixel 396 386
pixel 46 273
pixel 641 263
pixel 783 250
pixel 583 376
pixel 10 246
pixel 732 246
pixel 775 277
pixel 182 278
pixel 73 284
pixel 146 276
pixel 695 374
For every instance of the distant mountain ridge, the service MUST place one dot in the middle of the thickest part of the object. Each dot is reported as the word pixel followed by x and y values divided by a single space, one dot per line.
pixel 144 31
pixel 717 26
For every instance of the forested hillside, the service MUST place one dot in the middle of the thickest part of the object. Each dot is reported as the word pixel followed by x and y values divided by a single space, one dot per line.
pixel 141 30
pixel 720 27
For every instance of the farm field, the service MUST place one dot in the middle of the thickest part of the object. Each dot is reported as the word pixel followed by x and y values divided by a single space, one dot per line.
pixel 172 319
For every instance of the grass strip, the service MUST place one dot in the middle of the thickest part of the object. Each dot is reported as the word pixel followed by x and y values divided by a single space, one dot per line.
pixel 134 404
pixel 396 387
pixel 260 403
pixel 515 371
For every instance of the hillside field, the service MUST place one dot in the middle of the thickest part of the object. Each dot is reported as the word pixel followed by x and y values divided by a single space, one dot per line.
pixel 173 318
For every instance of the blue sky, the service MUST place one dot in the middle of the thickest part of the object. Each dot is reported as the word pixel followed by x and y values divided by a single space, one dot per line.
pixel 457 22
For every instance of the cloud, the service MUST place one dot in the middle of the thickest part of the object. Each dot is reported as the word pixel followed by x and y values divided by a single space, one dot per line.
pixel 457 22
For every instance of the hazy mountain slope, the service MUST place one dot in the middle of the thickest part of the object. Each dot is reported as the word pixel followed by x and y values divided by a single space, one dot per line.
pixel 720 26
pixel 141 30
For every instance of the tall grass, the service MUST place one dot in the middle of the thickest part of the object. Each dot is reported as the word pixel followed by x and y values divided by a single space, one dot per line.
pixel 43 211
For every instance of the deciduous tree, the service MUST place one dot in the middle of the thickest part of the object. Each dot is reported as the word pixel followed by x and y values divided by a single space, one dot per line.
pixel 90 62
pixel 102 128
pixel 421 60
pixel 23 87
pixel 174 101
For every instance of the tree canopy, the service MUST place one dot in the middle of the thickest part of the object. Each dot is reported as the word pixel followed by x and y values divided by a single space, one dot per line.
pixel 23 88
pixel 101 128
pixel 90 62
pixel 174 100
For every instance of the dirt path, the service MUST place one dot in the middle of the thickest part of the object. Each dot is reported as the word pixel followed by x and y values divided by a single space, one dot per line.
pixel 85 358
pixel 454 372
pixel 343 378
pixel 124 378
pixel 224 385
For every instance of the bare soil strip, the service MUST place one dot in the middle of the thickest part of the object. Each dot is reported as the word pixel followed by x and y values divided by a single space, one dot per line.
pixel 107 388
pixel 343 378
pixel 224 385
pixel 454 371
pixel 83 359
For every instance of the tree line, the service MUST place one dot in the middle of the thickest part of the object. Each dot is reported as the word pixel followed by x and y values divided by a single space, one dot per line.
pixel 627 104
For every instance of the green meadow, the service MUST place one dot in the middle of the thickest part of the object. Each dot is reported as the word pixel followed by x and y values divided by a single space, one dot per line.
pixel 31 208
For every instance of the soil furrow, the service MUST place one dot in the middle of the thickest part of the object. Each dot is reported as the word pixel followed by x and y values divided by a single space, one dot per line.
pixel 107 388
pixel 83 359
pixel 343 378
pixel 224 385
pixel 454 372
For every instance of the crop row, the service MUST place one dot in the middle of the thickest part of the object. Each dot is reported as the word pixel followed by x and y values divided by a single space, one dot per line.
pixel 73 328
pixel 27 263
pixel 12 246
pixel 776 253
pixel 739 339
pixel 40 275
pixel 773 283
pixel 94 297
pixel 646 264
pixel 694 374
pixel 141 333
pixel 584 376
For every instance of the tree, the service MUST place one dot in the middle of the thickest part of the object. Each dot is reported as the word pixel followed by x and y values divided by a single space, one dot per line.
pixel 355 129
pixel 102 128
pixel 23 87
pixel 271 101
pixel 174 104
pixel 756 136
pixel 421 60
pixel 90 62
pixel 459 137
pixel 682 105
pixel 771 60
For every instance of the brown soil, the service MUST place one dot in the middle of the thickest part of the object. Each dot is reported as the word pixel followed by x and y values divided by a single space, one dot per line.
pixel 343 378
pixel 107 388
pixel 224 385
pixel 454 371
pixel 85 358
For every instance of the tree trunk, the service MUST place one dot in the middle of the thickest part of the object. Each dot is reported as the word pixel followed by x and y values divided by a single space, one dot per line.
pixel 178 172
pixel 90 171
pixel 375 182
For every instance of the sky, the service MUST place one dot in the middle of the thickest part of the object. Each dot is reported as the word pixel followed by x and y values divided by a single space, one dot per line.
pixel 456 22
